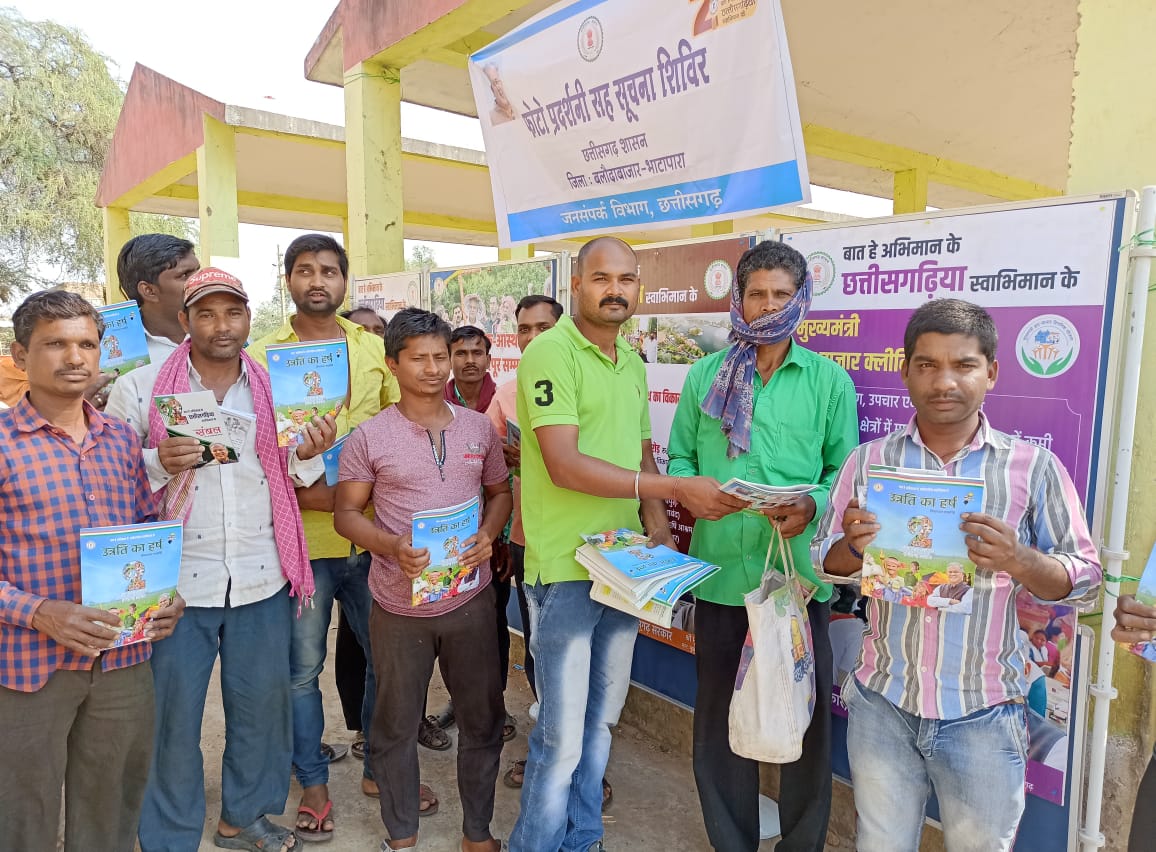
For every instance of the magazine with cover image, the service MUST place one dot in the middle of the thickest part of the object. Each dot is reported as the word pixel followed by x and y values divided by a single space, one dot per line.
pixel 197 415
pixel 124 346
pixel 130 571
pixel 762 496
pixel 1146 594
pixel 442 532
pixel 308 380
pixel 919 558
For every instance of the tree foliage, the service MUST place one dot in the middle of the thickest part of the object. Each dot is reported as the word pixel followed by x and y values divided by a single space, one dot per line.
pixel 267 316
pixel 421 258
pixel 59 105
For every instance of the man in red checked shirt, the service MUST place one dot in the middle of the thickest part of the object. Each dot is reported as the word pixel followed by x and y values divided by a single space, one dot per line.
pixel 75 712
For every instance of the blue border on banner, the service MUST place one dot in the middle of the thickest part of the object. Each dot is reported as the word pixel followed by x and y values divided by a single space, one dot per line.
pixel 545 23
pixel 752 189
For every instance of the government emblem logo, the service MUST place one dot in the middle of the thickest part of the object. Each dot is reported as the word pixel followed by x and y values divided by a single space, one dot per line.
pixel 1048 346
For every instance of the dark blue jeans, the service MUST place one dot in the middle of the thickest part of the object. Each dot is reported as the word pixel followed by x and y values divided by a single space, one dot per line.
pixel 253 642
pixel 345 579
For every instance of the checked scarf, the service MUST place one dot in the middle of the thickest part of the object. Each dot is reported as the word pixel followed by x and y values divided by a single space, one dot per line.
pixel 288 533
pixel 731 398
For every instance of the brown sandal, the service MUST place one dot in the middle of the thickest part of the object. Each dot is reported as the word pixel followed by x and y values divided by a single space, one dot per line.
pixel 515 776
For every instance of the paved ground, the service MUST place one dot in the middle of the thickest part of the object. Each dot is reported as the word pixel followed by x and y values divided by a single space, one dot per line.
pixel 655 803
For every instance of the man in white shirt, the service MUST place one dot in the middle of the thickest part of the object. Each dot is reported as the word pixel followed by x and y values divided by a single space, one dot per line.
pixel 244 560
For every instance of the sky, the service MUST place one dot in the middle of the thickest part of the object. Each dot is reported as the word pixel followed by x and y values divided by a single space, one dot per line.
pixel 252 54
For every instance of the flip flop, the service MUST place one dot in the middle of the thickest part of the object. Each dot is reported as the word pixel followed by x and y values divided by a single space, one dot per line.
pixel 318 834
pixel 261 835
pixel 509 728
pixel 428 795
pixel 518 768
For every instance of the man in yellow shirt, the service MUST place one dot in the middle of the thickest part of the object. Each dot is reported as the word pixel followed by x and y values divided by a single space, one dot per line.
pixel 316 270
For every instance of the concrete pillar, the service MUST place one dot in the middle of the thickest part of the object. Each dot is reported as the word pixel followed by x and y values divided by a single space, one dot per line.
pixel 517 252
pixel 1113 121
pixel 116 234
pixel 217 192
pixel 910 192
pixel 373 169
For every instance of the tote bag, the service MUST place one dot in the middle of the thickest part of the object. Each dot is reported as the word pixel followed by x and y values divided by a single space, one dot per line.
pixel 774 695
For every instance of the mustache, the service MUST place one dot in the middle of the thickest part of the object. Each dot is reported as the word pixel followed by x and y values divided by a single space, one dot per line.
pixel 614 300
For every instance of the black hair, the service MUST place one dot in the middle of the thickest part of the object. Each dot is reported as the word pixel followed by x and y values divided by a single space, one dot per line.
pixel 52 305
pixel 360 309
pixel 469 332
pixel 593 244
pixel 529 302
pixel 413 322
pixel 313 243
pixel 951 316
pixel 769 255
pixel 144 258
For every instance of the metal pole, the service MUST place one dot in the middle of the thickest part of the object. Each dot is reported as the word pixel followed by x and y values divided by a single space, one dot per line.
pixel 1113 554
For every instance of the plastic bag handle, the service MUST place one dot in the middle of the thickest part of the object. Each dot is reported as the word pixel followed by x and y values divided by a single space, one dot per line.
pixel 789 571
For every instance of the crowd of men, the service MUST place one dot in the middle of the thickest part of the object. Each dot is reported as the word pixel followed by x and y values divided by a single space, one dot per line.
pixel 936 700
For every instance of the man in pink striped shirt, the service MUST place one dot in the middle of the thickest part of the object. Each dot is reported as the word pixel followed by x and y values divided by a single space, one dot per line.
pixel 937 698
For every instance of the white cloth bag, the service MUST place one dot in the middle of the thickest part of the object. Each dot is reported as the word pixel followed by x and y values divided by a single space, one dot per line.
pixel 774 695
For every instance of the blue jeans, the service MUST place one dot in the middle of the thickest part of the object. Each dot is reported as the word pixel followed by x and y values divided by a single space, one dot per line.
pixel 344 578
pixel 253 642
pixel 582 656
pixel 975 765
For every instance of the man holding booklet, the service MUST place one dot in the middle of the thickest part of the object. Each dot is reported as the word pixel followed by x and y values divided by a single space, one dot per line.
pixel 796 429
pixel 587 467
pixel 74 711
pixel 423 463
pixel 936 702
pixel 316 272
pixel 245 571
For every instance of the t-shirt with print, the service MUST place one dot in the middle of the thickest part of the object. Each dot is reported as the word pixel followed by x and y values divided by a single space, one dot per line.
pixel 397 456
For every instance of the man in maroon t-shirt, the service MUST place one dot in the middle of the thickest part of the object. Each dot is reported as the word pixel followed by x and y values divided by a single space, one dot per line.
pixel 420 455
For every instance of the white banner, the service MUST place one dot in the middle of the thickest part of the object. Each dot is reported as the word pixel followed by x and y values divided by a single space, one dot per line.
pixel 617 115
pixel 387 294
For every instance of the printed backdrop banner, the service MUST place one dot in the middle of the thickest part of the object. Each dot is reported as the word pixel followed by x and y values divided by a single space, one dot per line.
pixel 486 296
pixel 617 115
pixel 387 294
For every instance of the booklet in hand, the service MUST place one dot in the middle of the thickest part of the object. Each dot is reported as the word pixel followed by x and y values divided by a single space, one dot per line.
pixel 197 415
pixel 443 532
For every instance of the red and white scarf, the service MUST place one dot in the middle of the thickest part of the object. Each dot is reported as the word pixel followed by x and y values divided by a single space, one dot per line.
pixel 288 533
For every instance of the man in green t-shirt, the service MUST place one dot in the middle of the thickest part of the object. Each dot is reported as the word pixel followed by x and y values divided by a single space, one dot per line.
pixel 587 467
pixel 794 425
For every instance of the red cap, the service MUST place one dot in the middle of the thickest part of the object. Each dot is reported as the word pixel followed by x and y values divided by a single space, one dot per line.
pixel 211 280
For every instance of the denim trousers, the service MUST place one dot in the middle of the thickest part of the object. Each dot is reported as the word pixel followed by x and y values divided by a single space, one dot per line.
pixel 582 656
pixel 253 643
pixel 346 579
pixel 975 765
pixel 82 730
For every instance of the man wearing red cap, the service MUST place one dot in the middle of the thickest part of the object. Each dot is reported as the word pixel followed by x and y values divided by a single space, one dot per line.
pixel 244 573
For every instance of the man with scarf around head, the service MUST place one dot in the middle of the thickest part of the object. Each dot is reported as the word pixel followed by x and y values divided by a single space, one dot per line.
pixel 245 574
pixel 769 411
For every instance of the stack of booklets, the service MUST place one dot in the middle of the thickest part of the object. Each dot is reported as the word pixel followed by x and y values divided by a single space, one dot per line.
pixel 644 581
pixel 920 558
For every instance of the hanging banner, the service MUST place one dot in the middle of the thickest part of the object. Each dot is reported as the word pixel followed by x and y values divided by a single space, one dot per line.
pixel 486 296
pixel 1047 275
pixel 617 115
pixel 386 294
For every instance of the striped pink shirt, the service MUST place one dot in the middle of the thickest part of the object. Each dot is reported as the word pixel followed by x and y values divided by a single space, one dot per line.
pixel 944 665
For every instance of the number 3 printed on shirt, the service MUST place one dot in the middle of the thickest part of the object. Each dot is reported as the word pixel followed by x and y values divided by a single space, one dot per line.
pixel 547 396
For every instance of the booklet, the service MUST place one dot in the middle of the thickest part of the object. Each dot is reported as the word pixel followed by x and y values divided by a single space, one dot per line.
pixel 762 496
pixel 1146 594
pixel 197 415
pixel 308 380
pixel 514 439
pixel 919 557
pixel 124 346
pixel 130 571
pixel 332 459
pixel 443 531
pixel 622 560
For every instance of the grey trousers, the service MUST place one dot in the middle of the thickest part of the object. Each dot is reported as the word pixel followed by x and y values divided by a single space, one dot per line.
pixel 90 732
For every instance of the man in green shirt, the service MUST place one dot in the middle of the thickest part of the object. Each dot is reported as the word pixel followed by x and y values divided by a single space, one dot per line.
pixel 798 425
pixel 587 467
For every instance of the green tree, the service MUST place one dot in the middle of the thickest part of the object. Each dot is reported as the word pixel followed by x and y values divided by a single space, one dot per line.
pixel 58 108
pixel 267 317
pixel 421 258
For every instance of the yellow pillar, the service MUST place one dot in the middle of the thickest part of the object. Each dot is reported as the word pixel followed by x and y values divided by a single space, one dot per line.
pixel 217 192
pixel 345 232
pixel 373 169
pixel 713 229
pixel 1112 123
pixel 116 234
pixel 517 252
pixel 909 194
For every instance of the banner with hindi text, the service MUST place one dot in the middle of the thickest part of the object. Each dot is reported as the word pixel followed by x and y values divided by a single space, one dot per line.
pixel 616 115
